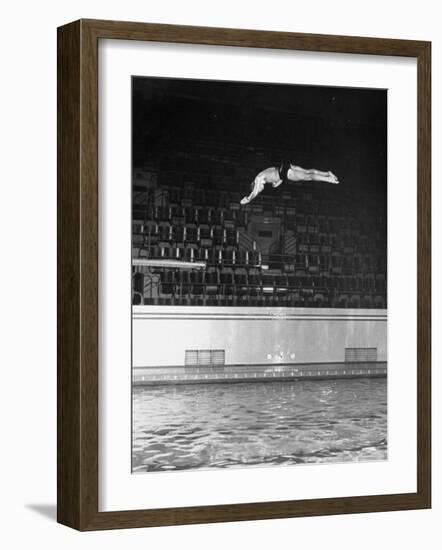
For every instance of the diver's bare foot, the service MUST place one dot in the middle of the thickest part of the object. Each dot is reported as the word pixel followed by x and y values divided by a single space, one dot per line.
pixel 245 200
pixel 332 178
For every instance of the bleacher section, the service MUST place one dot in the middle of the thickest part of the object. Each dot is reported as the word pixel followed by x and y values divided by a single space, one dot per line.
pixel 328 247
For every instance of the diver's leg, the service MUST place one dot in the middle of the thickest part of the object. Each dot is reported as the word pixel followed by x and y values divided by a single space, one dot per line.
pixel 296 173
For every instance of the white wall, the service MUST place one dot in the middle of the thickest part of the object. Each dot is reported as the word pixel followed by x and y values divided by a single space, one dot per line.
pixel 249 336
pixel 27 218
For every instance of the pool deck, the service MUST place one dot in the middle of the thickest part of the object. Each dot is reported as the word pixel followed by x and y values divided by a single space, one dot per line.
pixel 150 376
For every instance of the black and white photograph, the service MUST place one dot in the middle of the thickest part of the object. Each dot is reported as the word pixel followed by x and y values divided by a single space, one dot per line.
pixel 220 243
pixel 259 269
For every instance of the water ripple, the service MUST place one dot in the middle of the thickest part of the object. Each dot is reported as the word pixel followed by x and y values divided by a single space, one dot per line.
pixel 252 424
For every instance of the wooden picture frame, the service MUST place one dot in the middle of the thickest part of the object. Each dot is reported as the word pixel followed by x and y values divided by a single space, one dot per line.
pixel 78 274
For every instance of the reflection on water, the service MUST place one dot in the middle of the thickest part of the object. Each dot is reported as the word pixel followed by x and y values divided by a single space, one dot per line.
pixel 231 425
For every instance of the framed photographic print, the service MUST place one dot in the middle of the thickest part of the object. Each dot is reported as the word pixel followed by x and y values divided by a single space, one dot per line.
pixel 243 275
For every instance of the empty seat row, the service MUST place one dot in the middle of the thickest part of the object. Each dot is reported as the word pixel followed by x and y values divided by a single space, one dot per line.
pixel 213 255
pixel 193 215
pixel 340 240
pixel 203 235
pixel 318 300
pixel 293 217
pixel 247 282
pixel 176 196
pixel 167 202
pixel 334 263
pixel 207 236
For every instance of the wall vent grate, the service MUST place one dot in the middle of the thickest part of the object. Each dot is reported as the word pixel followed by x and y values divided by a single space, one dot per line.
pixel 194 357
pixel 355 355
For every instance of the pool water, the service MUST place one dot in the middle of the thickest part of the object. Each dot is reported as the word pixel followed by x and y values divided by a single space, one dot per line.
pixel 256 424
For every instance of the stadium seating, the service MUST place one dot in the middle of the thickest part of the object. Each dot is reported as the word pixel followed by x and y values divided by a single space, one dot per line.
pixel 323 257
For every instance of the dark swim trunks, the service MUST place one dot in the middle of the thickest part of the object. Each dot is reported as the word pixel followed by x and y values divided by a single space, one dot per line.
pixel 283 170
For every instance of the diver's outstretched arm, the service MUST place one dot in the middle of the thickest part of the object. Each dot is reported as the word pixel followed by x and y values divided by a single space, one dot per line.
pixel 258 186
